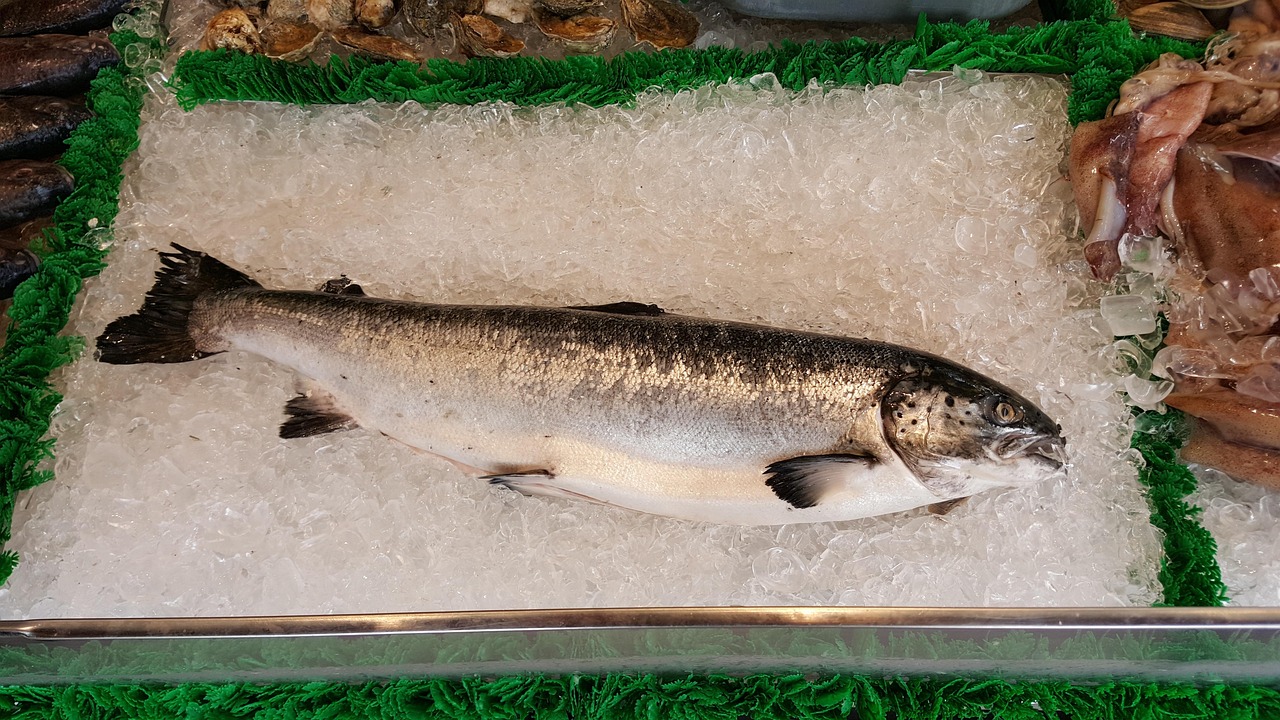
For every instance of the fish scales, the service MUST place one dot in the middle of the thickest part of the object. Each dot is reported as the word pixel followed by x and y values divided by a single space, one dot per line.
pixel 620 404
pixel 534 364
pixel 52 64
pixel 35 126
pixel 28 17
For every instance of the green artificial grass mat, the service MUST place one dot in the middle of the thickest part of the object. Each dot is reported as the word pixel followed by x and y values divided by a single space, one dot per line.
pixel 1107 50
pixel 1097 52
pixel 1084 43
pixel 1099 55
pixel 617 697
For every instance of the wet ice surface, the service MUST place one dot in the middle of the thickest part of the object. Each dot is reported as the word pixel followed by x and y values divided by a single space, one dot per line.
pixel 923 216
pixel 1244 519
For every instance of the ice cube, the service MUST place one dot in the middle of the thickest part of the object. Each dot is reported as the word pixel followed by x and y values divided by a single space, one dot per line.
pixel 1147 394
pixel 1262 382
pixel 1143 253
pixel 1128 314
pixel 971 235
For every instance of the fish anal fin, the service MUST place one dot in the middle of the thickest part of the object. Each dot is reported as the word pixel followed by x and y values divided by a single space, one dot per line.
pixel 623 308
pixel 803 481
pixel 314 412
pixel 946 506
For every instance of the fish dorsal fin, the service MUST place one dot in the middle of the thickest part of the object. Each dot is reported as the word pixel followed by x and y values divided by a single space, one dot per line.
pixel 341 286
pixel 623 308
pixel 803 481
pixel 314 412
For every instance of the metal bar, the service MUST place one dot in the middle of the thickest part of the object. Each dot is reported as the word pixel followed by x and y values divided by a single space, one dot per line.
pixel 1208 645
pixel 1096 619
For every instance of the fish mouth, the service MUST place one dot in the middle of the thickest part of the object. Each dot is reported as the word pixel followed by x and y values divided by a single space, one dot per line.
pixel 1049 450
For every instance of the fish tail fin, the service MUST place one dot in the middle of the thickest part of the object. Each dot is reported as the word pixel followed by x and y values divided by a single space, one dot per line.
pixel 158 333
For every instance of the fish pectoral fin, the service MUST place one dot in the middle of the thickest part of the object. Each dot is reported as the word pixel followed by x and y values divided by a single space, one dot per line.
pixel 803 481
pixel 314 412
pixel 623 308
pixel 537 483
pixel 946 506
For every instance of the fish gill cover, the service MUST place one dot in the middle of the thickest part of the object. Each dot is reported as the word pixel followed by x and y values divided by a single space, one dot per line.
pixel 1098 54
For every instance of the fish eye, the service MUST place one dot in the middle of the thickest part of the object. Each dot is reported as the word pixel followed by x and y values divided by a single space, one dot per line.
pixel 1004 413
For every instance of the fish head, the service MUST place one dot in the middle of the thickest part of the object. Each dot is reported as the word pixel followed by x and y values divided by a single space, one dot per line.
pixel 962 433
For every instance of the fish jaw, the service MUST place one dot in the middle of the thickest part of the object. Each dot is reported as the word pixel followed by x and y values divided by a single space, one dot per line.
pixel 962 477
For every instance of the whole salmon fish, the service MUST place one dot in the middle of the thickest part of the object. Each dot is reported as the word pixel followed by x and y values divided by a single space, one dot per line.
pixel 621 404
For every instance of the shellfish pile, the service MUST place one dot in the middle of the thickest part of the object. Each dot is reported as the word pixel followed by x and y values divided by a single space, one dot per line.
pixel 1183 19
pixel 1189 160
pixel 291 29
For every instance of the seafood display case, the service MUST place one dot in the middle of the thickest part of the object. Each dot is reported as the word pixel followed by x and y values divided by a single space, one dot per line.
pixel 186 536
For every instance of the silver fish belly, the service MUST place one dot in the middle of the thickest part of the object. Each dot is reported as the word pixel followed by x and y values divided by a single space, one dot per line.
pixel 622 405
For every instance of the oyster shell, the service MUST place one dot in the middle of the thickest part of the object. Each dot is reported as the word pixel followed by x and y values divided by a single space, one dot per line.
pixel 513 11
pixel 288 41
pixel 232 29
pixel 660 23
pixel 243 4
pixel 565 8
pixel 1172 19
pixel 376 46
pixel 426 16
pixel 290 11
pixel 481 37
pixel 374 14
pixel 331 14
pixel 1214 4
pixel 584 32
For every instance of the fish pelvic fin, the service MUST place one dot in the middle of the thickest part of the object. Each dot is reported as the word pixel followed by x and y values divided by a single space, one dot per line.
pixel 314 412
pixel 946 506
pixel 158 333
pixel 538 483
pixel 803 481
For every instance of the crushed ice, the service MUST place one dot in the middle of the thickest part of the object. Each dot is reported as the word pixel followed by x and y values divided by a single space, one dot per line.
pixel 916 214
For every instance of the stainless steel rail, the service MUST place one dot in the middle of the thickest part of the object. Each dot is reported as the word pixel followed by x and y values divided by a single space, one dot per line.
pixel 1185 644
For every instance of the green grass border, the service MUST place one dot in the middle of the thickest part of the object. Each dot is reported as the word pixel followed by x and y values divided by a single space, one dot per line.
pixel 618 697
pixel 1096 52
pixel 1098 56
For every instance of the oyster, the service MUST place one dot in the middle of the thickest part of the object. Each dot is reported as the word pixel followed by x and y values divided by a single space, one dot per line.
pixel 565 8
pixel 331 14
pixel 584 33
pixel 232 29
pixel 288 41
pixel 660 23
pixel 374 14
pixel 513 11
pixel 291 11
pixel 426 16
pixel 1172 19
pixel 1214 4
pixel 380 47
pixel 481 37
